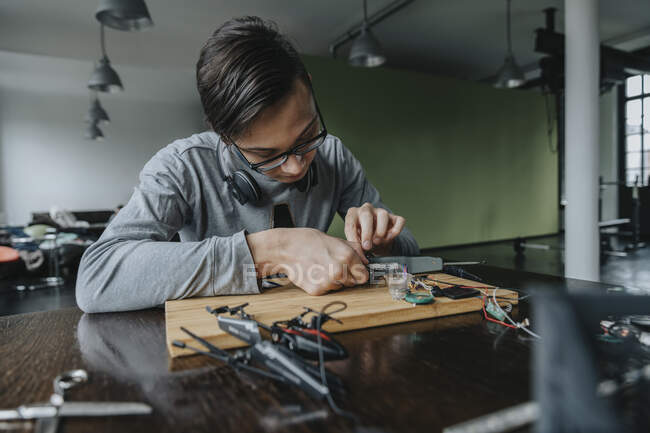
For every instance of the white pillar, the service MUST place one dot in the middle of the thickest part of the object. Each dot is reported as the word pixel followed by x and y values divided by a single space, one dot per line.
pixel 582 74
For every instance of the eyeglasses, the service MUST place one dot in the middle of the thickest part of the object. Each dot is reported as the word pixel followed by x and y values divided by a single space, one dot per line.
pixel 300 149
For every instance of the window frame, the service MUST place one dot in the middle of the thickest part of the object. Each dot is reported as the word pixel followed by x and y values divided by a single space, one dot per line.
pixel 644 146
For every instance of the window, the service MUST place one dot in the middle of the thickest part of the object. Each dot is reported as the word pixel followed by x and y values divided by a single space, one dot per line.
pixel 637 129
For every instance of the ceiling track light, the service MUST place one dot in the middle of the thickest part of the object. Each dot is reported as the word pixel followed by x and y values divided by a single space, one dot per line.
pixel 365 50
pixel 510 75
pixel 126 15
pixel 104 78
pixel 96 113
pixel 93 132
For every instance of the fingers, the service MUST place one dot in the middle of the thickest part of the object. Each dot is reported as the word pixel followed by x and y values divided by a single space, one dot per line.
pixel 359 274
pixel 321 263
pixel 398 224
pixel 356 246
pixel 346 271
pixel 366 218
pixel 360 225
pixel 349 270
pixel 351 229
pixel 372 227
pixel 382 216
pixel 340 276
pixel 354 267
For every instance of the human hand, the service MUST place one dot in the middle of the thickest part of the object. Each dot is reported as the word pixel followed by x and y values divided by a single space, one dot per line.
pixel 311 259
pixel 373 228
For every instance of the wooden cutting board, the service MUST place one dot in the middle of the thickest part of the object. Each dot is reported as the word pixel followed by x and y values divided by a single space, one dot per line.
pixel 368 306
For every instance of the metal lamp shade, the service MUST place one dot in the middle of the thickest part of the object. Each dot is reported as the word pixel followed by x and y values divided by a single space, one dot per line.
pixel 104 78
pixel 97 114
pixel 510 75
pixel 93 132
pixel 125 15
pixel 366 51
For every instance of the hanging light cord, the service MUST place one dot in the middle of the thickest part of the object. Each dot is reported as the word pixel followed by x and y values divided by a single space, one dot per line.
pixel 101 39
pixel 365 15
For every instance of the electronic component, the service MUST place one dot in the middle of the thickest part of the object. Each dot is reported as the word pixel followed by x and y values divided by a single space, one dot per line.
pixel 459 292
pixel 414 265
pixel 626 329
pixel 419 298
pixel 376 271
pixel 495 312
pixel 302 337
pixel 296 334
pixel 283 358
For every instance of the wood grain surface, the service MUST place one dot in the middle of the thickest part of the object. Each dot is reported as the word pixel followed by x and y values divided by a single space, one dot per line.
pixel 411 377
pixel 367 307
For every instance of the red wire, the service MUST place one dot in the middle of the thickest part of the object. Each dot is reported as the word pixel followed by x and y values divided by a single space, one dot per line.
pixel 494 320
pixel 306 331
pixel 484 299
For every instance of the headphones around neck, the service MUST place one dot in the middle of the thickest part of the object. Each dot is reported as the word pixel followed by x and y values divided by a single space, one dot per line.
pixel 245 189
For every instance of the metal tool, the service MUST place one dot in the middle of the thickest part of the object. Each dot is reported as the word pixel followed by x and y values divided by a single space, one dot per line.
pixel 482 262
pixel 75 408
pixel 298 334
pixel 286 356
pixel 61 384
pixel 414 265
pixel 500 421
pixel 380 266
pixel 48 414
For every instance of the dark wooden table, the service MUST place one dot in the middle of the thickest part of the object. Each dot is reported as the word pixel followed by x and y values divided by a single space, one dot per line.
pixel 13 301
pixel 420 376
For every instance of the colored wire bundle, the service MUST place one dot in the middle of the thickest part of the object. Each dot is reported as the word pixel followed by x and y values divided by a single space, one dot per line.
pixel 482 289
pixel 485 315
pixel 515 325
pixel 485 294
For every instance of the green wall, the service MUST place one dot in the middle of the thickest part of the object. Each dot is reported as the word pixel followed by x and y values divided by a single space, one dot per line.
pixel 463 162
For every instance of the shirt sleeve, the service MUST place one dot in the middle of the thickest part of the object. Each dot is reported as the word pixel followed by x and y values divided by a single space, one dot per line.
pixel 134 265
pixel 357 190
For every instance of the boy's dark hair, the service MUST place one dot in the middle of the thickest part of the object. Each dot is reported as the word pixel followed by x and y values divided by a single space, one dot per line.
pixel 245 67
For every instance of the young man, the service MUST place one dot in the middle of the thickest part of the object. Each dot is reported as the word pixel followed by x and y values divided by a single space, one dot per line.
pixel 251 198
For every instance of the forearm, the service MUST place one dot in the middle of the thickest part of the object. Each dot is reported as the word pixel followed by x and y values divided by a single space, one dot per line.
pixel 117 274
pixel 269 250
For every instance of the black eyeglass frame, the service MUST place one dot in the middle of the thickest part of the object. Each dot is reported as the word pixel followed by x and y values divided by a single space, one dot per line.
pixel 293 151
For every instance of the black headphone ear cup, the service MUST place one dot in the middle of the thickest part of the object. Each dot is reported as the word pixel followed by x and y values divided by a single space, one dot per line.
pixel 243 187
pixel 309 181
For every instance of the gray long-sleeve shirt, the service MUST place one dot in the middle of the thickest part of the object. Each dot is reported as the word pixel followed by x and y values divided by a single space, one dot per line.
pixel 134 265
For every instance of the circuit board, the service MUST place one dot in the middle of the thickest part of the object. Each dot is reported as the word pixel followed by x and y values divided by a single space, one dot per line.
pixel 368 306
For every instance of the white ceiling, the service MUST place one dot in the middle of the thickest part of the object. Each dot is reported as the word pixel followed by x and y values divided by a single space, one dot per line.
pixel 461 38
